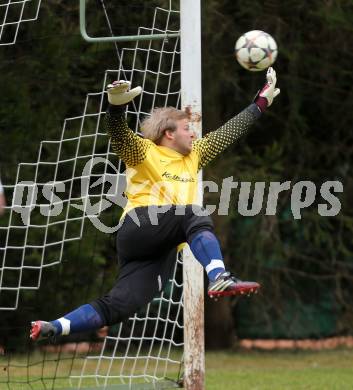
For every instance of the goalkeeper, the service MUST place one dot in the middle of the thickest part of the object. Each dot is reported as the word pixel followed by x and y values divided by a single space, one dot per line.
pixel 161 212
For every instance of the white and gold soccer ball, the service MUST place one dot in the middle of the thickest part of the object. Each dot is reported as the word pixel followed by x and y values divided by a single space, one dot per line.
pixel 256 50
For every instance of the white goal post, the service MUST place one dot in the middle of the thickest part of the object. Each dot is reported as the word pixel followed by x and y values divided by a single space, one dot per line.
pixel 191 98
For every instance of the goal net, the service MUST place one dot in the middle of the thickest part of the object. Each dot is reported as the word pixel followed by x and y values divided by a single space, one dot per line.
pixel 12 14
pixel 56 236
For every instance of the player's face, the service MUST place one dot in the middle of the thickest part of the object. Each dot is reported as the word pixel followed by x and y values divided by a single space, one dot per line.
pixel 183 137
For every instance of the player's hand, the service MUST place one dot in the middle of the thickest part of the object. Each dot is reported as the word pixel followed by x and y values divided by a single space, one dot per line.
pixel 268 91
pixel 119 92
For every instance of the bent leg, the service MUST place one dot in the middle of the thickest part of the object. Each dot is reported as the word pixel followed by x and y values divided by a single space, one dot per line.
pixel 206 249
pixel 138 283
pixel 203 243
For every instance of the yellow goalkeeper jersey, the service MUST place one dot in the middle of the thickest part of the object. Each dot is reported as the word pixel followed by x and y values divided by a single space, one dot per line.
pixel 157 175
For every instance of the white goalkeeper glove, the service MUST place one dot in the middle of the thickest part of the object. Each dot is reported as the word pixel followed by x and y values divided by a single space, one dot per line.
pixel 269 90
pixel 119 92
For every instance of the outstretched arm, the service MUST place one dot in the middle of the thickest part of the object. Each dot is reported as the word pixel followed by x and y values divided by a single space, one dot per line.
pixel 212 144
pixel 125 143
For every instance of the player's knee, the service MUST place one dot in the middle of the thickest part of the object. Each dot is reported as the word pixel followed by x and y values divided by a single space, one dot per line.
pixel 197 219
pixel 114 309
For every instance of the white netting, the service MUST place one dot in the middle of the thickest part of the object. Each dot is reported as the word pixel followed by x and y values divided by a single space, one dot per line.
pixel 38 228
pixel 50 209
pixel 12 14
pixel 46 200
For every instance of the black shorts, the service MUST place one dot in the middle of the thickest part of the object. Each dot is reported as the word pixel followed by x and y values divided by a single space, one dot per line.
pixel 147 243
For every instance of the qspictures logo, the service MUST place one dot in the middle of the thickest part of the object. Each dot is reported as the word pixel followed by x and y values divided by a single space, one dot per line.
pixel 253 197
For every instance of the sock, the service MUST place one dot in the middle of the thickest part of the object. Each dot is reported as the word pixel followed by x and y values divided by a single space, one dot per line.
pixel 207 251
pixel 82 319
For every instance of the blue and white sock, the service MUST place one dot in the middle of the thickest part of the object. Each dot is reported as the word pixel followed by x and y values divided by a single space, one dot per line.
pixel 83 319
pixel 207 251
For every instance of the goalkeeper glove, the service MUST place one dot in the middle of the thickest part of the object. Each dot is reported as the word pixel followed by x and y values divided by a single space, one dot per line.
pixel 120 94
pixel 265 96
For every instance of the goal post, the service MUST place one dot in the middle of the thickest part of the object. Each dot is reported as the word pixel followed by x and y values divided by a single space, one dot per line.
pixel 191 98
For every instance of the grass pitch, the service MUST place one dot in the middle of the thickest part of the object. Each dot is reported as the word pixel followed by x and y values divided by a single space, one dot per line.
pixel 239 370
pixel 324 370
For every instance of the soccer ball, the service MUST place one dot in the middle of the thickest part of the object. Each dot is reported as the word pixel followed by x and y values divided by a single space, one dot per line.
pixel 256 50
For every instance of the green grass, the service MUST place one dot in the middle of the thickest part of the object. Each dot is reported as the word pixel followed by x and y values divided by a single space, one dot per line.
pixel 325 370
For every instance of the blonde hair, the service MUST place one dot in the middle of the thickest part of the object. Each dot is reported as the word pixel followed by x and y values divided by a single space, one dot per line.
pixel 160 120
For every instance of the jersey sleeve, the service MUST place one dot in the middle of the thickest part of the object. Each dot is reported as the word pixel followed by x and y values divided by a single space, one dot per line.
pixel 213 143
pixel 126 144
